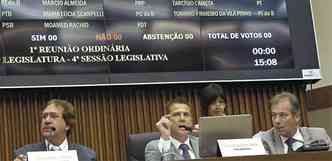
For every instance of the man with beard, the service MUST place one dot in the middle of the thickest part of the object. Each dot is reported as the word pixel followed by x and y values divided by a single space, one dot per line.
pixel 58 120
pixel 287 136
pixel 175 141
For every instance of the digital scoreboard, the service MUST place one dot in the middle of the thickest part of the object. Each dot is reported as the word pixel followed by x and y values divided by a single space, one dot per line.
pixel 48 43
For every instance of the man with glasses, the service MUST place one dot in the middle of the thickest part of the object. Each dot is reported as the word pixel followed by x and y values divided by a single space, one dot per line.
pixel 176 142
pixel 287 136
pixel 58 120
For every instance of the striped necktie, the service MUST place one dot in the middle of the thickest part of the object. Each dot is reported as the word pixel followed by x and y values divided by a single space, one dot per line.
pixel 289 142
pixel 185 151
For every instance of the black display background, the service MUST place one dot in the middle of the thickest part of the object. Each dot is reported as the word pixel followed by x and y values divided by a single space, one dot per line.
pixel 196 60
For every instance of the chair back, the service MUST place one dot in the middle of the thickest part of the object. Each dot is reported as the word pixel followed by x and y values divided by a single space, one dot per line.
pixel 137 143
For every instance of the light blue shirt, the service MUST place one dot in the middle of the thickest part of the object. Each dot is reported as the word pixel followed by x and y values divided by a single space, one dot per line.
pixel 165 145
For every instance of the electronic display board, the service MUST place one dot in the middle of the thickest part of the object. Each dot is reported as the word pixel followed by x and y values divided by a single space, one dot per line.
pixel 120 42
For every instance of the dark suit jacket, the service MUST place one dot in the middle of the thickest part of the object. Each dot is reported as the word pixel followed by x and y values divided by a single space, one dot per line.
pixel 273 143
pixel 83 153
pixel 152 152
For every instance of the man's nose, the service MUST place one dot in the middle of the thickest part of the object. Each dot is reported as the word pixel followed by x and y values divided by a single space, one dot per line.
pixel 182 116
pixel 277 119
pixel 48 119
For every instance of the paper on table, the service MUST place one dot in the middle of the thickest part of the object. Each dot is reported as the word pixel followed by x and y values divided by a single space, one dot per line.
pixel 70 155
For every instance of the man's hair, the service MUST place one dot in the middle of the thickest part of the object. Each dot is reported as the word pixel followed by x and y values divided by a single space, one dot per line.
pixel 291 98
pixel 209 94
pixel 179 100
pixel 68 112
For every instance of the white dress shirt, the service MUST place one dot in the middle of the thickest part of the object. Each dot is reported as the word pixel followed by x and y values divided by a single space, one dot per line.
pixel 62 147
pixel 299 141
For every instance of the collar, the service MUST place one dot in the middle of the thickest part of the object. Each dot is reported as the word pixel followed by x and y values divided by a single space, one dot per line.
pixel 177 144
pixel 63 145
pixel 297 136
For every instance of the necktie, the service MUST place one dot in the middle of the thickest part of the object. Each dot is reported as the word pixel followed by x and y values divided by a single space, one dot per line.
pixel 185 152
pixel 54 148
pixel 289 142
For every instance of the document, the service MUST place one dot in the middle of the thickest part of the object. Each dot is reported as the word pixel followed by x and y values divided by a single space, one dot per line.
pixel 70 155
pixel 241 147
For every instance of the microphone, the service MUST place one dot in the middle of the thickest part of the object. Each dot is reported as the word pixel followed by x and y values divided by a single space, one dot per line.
pixel 318 145
pixel 52 132
pixel 53 129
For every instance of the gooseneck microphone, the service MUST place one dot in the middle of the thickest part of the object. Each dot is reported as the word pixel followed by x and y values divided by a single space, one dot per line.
pixel 52 132
pixel 53 129
pixel 318 145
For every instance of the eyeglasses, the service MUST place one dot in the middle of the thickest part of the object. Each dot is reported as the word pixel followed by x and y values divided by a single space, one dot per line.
pixel 179 114
pixel 51 115
pixel 281 116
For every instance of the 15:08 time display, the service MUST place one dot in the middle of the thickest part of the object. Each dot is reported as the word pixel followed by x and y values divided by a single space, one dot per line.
pixel 265 62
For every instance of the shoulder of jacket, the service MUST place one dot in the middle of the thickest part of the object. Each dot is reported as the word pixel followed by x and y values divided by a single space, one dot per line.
pixel 81 147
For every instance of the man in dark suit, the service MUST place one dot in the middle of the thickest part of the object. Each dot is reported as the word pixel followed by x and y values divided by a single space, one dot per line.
pixel 175 142
pixel 286 136
pixel 58 119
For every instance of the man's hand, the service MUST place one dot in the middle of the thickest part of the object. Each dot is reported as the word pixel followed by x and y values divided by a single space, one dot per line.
pixel 21 157
pixel 164 127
